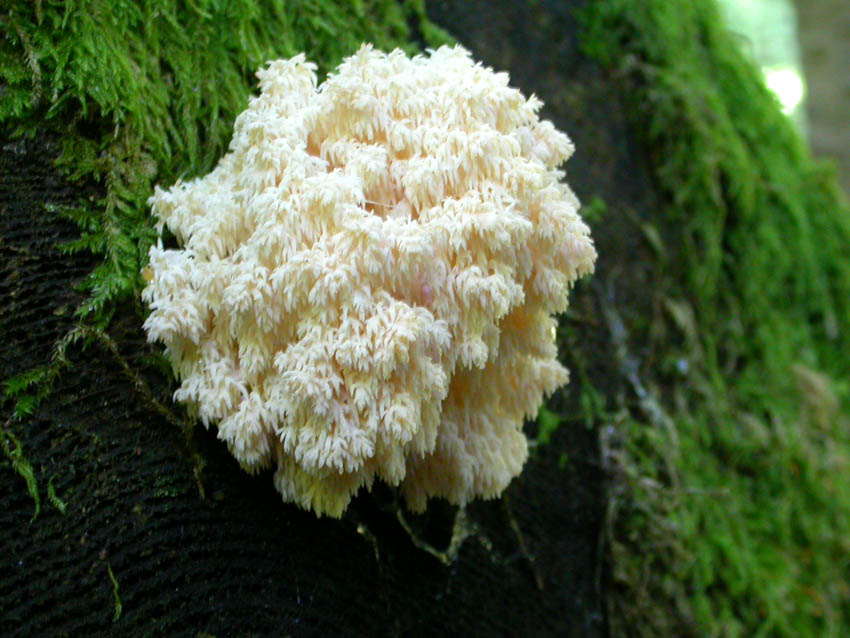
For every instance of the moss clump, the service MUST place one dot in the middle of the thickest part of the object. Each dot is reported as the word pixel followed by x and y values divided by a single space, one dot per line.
pixel 735 519
pixel 15 455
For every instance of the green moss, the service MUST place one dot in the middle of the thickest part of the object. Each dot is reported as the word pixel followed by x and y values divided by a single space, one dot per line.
pixel 57 502
pixel 547 422
pixel 117 599
pixel 15 454
pixel 733 520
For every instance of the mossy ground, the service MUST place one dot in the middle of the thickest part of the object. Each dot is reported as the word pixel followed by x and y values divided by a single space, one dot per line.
pixel 729 514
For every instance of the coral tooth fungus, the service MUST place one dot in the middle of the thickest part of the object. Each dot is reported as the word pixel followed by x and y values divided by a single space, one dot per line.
pixel 367 273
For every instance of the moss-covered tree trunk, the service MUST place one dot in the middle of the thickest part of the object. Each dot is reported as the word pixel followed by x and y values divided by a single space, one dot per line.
pixel 688 480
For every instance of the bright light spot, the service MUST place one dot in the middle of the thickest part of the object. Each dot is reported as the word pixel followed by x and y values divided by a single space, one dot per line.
pixel 787 84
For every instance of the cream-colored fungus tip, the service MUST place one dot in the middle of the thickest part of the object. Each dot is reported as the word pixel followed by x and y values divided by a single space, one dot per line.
pixel 367 281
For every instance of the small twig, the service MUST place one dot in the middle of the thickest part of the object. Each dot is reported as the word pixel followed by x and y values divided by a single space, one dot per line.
pixel 523 547
pixel 461 530
pixel 139 383
pixel 143 389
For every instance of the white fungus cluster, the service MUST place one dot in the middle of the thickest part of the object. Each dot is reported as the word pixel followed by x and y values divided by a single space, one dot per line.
pixel 367 279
